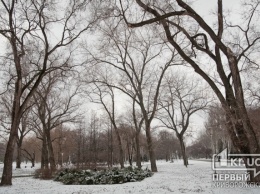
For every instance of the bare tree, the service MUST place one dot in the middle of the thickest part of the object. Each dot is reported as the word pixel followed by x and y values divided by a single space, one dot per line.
pixel 181 100
pixel 28 25
pixel 138 123
pixel 53 108
pixel 65 143
pixel 131 58
pixel 31 149
pixel 222 46
pixel 94 132
pixel 253 88
pixel 5 114
pixel 24 129
pixel 99 94
pixel 110 144
pixel 202 147
pixel 128 136
pixel 80 145
pixel 167 145
pixel 29 156
pixel 216 130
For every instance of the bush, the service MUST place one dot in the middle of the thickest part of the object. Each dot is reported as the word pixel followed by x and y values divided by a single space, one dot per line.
pixel 114 176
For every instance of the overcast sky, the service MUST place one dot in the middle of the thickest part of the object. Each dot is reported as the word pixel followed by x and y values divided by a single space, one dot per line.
pixel 205 5
pixel 205 9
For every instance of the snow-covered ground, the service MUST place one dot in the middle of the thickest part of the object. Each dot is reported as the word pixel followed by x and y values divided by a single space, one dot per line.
pixel 171 178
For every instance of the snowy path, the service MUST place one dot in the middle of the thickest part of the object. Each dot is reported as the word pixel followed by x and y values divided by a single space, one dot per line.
pixel 171 178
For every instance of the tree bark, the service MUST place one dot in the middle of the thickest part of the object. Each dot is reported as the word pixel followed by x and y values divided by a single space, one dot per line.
pixel 183 151
pixel 240 129
pixel 78 154
pixel 44 157
pixel 111 147
pixel 16 116
pixel 138 153
pixel 33 159
pixel 8 160
pixel 50 151
pixel 95 147
pixel 19 154
pixel 130 153
pixel 151 149
pixel 244 143
pixel 121 152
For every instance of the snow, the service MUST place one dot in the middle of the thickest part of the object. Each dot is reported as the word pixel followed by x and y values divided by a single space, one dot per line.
pixel 170 178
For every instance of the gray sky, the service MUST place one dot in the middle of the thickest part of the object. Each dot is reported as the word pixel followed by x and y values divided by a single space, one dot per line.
pixel 205 8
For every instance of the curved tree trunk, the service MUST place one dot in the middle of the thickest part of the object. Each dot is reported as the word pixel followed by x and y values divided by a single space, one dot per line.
pixel 239 126
pixel 183 151
pixel 245 142
pixel 16 116
pixel 8 160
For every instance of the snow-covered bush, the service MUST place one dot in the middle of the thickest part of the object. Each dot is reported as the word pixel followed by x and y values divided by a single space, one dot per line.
pixel 114 176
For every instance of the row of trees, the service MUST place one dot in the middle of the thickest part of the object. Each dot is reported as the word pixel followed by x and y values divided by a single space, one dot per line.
pixel 93 146
pixel 33 51
pixel 220 46
pixel 214 138
pixel 133 63
pixel 46 71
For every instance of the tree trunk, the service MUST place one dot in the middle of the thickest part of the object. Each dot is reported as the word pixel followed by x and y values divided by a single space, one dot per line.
pixel 111 148
pixel 131 160
pixel 44 157
pixel 151 149
pixel 8 160
pixel 19 155
pixel 121 155
pixel 16 116
pixel 78 154
pixel 95 148
pixel 245 142
pixel 50 151
pixel 129 151
pixel 138 153
pixel 183 150
pixel 121 152
pixel 109 160
pixel 33 159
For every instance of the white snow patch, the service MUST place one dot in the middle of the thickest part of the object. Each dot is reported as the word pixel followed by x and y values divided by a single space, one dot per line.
pixel 171 178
